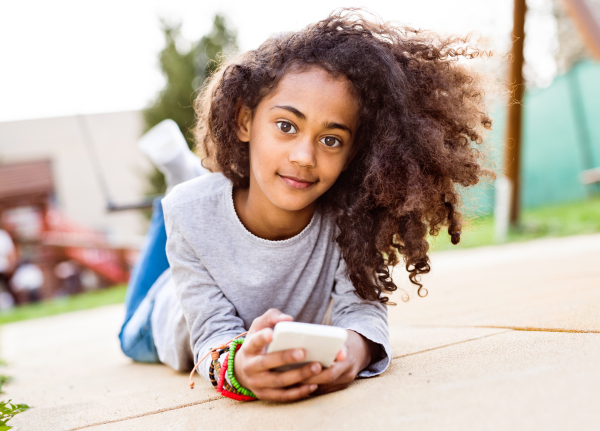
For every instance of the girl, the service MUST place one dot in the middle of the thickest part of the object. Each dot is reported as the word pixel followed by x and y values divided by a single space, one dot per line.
pixel 335 151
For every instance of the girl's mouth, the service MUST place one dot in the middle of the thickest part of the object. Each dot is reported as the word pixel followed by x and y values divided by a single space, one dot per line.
pixel 297 183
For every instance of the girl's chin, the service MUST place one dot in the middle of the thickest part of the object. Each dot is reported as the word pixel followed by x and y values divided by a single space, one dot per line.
pixel 290 203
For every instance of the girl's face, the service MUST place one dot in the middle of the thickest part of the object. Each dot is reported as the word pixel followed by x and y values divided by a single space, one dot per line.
pixel 300 138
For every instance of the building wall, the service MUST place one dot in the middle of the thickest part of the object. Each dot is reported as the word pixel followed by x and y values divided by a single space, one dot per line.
pixel 78 191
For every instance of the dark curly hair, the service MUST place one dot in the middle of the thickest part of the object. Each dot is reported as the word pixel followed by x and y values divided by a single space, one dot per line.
pixel 421 110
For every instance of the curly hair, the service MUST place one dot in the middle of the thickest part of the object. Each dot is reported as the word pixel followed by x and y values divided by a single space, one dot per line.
pixel 421 111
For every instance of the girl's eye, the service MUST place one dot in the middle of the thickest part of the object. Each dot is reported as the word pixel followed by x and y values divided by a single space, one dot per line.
pixel 286 127
pixel 330 141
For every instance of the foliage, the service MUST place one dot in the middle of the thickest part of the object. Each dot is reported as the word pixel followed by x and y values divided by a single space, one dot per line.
pixel 3 381
pixel 83 301
pixel 7 411
pixel 185 71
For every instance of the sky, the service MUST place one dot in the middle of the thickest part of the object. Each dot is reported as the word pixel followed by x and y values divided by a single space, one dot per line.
pixel 66 57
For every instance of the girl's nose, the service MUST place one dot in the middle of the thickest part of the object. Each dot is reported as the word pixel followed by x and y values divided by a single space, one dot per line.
pixel 303 154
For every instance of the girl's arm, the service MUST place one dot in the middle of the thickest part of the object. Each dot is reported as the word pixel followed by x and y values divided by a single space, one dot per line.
pixel 366 318
pixel 210 317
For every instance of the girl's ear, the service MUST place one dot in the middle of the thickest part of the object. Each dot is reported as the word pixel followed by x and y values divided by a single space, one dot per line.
pixel 243 120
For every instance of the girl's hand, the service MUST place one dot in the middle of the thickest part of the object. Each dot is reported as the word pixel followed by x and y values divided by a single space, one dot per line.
pixel 252 367
pixel 351 360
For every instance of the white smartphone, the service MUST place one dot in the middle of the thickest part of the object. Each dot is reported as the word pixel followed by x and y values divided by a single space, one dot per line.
pixel 321 343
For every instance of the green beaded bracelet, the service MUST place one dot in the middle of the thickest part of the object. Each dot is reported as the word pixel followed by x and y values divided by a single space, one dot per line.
pixel 234 382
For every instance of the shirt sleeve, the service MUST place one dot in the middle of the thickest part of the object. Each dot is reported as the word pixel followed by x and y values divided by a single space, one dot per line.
pixel 211 318
pixel 368 318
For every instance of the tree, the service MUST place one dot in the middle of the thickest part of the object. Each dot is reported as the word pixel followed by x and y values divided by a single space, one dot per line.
pixel 185 72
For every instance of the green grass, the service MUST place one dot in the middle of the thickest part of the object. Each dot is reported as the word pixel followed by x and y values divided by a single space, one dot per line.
pixel 560 220
pixel 83 301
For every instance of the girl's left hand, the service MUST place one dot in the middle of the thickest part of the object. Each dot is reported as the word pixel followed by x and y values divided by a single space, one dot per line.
pixel 351 360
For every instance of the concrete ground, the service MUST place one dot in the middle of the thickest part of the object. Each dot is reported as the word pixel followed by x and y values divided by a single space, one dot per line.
pixel 508 338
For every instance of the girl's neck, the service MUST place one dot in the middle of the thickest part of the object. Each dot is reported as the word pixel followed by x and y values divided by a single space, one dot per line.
pixel 265 220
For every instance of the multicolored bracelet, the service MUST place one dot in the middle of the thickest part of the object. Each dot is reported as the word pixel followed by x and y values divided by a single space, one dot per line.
pixel 236 392
pixel 216 368
pixel 229 392
pixel 235 345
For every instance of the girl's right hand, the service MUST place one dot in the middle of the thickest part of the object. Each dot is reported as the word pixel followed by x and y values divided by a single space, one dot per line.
pixel 252 367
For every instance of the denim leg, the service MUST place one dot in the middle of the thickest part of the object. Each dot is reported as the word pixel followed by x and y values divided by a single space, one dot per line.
pixel 151 263
pixel 136 337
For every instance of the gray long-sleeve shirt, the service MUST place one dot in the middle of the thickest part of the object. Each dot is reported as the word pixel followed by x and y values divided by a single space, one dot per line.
pixel 223 277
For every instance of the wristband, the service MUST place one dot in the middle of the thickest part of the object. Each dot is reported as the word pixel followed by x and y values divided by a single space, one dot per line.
pixel 215 365
pixel 235 345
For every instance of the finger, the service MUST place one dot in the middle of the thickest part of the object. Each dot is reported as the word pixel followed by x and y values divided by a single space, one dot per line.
pixel 276 359
pixel 286 395
pixel 275 316
pixel 268 320
pixel 342 355
pixel 329 375
pixel 255 343
pixel 289 378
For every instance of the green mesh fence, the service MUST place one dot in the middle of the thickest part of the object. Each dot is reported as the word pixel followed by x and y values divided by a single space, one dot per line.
pixel 561 137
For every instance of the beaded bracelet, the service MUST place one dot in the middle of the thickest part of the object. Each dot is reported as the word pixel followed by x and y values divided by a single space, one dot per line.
pixel 238 393
pixel 235 345
pixel 232 393
pixel 223 384
pixel 210 352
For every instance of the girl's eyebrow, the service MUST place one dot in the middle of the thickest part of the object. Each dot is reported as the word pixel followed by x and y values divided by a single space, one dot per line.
pixel 292 110
pixel 330 125
pixel 327 125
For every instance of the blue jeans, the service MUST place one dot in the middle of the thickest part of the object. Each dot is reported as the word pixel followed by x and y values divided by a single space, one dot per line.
pixel 136 334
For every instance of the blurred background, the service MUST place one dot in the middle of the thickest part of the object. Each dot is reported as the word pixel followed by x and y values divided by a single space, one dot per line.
pixel 81 82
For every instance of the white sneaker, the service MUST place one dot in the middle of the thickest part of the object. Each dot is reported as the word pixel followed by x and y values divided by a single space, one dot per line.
pixel 168 150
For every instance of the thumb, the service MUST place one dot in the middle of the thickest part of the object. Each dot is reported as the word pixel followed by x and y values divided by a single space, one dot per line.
pixel 255 343
pixel 268 320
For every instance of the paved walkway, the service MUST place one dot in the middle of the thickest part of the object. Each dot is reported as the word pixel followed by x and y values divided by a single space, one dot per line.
pixel 508 338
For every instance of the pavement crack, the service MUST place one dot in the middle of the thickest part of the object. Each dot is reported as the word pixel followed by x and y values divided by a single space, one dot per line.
pixel 514 328
pixel 154 412
pixel 530 329
pixel 450 344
